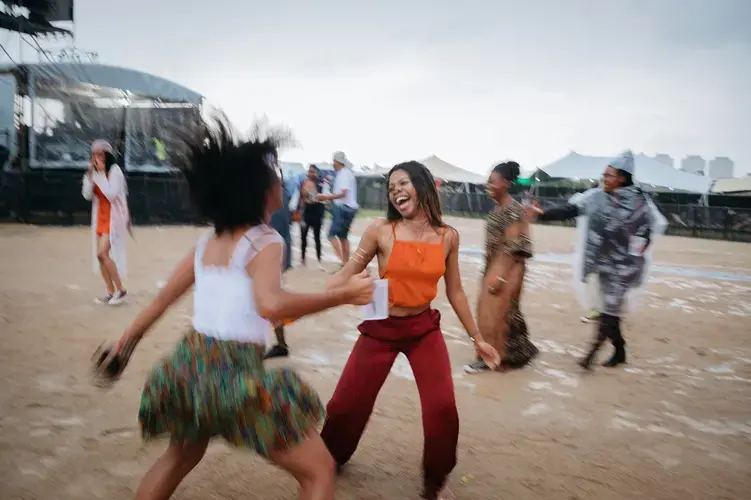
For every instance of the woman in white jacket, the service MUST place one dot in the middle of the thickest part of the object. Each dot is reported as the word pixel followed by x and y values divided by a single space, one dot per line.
pixel 104 184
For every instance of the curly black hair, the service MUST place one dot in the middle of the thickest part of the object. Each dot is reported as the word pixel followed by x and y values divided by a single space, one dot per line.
pixel 229 179
pixel 427 193
pixel 509 170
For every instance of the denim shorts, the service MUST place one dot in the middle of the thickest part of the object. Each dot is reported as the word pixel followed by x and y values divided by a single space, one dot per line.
pixel 341 220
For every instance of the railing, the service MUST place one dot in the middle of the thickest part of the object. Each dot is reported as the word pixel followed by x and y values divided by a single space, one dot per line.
pixel 733 224
pixel 54 197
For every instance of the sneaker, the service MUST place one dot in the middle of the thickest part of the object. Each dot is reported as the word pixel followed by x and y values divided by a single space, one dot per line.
pixel 278 351
pixel 104 299
pixel 590 317
pixel 117 298
pixel 478 366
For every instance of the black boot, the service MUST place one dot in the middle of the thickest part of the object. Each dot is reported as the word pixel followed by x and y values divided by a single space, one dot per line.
pixel 603 328
pixel 586 363
pixel 280 350
pixel 619 354
pixel 618 357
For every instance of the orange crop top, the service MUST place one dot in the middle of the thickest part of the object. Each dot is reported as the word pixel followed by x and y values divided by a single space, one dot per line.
pixel 103 215
pixel 414 269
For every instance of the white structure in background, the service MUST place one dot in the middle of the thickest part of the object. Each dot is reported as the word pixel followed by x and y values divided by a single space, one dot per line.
pixel 292 169
pixel 740 186
pixel 694 164
pixel 721 167
pixel 665 159
pixel 441 170
pixel 649 172
pixel 446 171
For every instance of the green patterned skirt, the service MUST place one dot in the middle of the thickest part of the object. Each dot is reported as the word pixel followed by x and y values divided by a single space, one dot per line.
pixel 218 388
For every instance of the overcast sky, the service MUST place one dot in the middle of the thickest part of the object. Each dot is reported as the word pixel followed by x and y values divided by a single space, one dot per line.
pixel 473 81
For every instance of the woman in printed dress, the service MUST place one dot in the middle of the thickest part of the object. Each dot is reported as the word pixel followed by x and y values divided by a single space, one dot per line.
pixel 104 185
pixel 507 248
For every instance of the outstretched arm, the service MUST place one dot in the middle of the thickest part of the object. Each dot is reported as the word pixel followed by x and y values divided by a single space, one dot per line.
pixel 565 211
pixel 180 281
pixel 359 261
pixel 274 303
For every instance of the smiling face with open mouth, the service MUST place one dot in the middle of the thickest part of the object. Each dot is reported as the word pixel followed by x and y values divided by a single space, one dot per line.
pixel 402 194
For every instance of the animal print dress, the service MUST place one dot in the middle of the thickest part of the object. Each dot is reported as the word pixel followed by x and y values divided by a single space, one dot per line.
pixel 519 349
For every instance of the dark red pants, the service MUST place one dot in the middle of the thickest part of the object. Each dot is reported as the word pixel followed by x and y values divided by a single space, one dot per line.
pixel 420 339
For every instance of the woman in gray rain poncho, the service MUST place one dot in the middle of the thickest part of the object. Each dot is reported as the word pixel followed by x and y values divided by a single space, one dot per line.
pixel 621 222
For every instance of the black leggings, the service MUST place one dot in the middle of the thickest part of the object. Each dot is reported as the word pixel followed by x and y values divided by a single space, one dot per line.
pixel 314 224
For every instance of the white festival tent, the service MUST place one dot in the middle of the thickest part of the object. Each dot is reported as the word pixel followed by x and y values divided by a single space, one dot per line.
pixel 439 168
pixel 648 171
pixel 451 173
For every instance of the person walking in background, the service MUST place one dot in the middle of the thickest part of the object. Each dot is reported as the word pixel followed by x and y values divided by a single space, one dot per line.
pixel 281 221
pixel 312 211
pixel 104 185
pixel 621 224
pixel 344 196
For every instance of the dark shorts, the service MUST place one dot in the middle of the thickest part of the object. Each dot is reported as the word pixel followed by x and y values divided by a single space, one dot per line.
pixel 341 220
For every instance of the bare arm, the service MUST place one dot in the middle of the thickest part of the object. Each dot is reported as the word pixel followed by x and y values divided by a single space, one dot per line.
pixel 180 281
pixel 455 289
pixel 328 197
pixel 274 303
pixel 365 252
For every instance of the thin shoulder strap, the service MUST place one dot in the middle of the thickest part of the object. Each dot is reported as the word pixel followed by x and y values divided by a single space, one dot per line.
pixel 443 236
pixel 200 247
pixel 393 230
pixel 252 242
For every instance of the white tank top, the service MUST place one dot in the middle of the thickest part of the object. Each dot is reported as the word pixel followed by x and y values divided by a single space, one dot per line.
pixel 223 305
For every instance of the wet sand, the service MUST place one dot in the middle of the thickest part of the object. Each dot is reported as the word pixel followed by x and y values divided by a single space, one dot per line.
pixel 674 424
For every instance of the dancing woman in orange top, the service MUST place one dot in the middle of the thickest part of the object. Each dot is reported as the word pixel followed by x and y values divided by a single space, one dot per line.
pixel 415 249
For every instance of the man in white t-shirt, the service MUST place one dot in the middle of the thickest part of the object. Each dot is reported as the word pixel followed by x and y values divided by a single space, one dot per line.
pixel 344 196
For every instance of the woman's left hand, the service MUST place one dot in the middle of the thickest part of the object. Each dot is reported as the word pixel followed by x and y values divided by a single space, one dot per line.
pixel 488 354
pixel 110 361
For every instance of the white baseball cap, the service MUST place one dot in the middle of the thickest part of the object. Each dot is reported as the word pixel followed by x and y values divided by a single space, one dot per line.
pixel 340 157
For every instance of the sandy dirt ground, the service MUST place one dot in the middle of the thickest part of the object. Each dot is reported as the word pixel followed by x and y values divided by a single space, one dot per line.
pixel 674 424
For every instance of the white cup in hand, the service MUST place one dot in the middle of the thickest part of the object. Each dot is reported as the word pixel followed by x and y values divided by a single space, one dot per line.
pixel 378 308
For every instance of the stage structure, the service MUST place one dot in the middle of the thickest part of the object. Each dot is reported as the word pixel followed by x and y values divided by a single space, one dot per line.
pixel 60 108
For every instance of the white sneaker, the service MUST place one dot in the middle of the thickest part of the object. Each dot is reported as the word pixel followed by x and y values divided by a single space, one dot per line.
pixel 117 298
pixel 104 299
pixel 591 317
pixel 478 366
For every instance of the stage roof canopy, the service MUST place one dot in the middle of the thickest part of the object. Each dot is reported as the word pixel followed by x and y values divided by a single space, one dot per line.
pixel 58 76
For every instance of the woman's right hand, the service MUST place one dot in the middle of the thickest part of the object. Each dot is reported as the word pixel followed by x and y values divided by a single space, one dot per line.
pixel 359 289
pixel 531 212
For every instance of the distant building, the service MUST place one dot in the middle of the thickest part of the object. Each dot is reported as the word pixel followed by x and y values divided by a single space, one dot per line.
pixel 694 164
pixel 721 167
pixel 665 159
